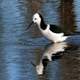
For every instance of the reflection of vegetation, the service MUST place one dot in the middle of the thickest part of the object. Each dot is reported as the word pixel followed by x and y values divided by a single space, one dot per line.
pixel 67 15
pixel 35 5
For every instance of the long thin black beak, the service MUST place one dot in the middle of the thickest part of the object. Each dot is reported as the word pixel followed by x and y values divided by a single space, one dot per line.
pixel 29 25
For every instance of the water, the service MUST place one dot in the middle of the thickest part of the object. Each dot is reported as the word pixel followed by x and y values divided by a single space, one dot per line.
pixel 21 50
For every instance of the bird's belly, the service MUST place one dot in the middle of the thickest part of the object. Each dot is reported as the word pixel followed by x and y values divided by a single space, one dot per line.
pixel 55 37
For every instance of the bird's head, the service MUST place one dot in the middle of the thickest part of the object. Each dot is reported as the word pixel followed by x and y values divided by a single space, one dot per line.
pixel 37 18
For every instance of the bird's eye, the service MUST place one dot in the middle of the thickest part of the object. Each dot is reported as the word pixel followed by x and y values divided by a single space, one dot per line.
pixel 35 18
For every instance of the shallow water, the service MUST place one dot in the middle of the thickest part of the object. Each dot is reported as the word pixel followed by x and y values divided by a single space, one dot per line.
pixel 21 50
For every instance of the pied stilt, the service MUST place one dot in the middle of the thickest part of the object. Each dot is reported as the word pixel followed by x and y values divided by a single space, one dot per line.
pixel 52 32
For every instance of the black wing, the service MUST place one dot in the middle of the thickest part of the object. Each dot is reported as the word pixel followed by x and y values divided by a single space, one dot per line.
pixel 55 29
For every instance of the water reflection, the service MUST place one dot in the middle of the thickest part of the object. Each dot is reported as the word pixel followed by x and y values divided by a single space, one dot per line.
pixel 54 51
pixel 67 15
pixel 58 60
pixel 77 13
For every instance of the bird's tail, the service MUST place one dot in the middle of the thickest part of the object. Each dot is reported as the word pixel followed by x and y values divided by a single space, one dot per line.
pixel 64 38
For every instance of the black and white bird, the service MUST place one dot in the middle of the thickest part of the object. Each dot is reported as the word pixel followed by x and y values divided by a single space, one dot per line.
pixel 51 32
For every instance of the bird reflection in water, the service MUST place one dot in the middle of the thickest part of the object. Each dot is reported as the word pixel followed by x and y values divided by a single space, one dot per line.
pixel 53 52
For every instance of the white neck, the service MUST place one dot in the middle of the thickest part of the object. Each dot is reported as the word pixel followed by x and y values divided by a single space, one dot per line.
pixel 38 24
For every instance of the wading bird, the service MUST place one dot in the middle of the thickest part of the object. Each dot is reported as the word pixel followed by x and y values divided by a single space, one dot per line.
pixel 52 32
